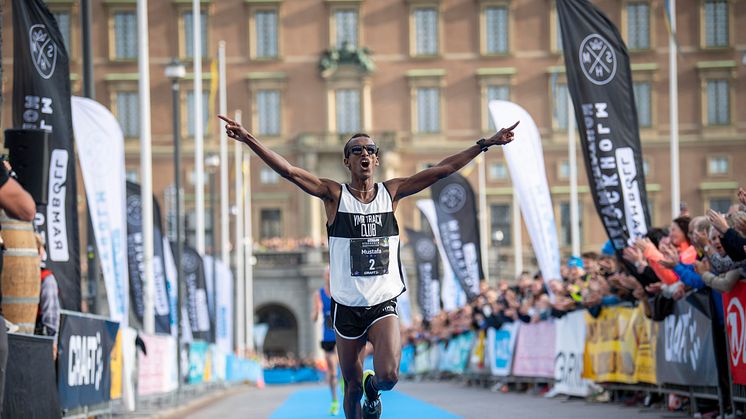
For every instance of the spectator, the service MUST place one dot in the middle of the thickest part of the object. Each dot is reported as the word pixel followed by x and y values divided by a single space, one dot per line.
pixel 48 315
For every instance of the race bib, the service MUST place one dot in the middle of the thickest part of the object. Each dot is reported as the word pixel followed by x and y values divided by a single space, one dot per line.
pixel 369 257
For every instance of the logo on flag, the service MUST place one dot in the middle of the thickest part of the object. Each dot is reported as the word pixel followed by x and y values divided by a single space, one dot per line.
pixel 737 327
pixel 453 198
pixel 43 50
pixel 597 59
pixel 134 210
pixel 425 249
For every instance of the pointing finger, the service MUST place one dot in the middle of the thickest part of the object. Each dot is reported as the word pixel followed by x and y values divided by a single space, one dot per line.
pixel 228 120
pixel 513 127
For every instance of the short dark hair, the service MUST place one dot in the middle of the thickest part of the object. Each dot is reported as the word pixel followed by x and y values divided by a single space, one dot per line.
pixel 355 135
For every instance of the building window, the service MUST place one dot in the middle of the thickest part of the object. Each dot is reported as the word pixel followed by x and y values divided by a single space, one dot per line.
pixel 560 113
pixel 428 109
pixel 267 176
pixel 189 33
pixel 718 102
pixel 268 112
pixel 565 224
pixel 716 23
pixel 125 35
pixel 496 92
pixel 345 28
pixel 63 22
pixel 638 25
pixel 496 29
pixel 563 169
pixel 190 111
pixel 556 42
pixel 498 171
pixel 265 26
pixel 502 224
pixel 721 205
pixel 270 220
pixel 718 166
pixel 128 113
pixel 645 167
pixel 426 31
pixel 643 101
pixel 347 103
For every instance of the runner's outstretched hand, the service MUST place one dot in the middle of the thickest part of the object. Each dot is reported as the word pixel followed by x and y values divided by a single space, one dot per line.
pixel 236 130
pixel 502 137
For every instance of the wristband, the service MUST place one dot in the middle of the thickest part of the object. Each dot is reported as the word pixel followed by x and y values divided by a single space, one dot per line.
pixel 482 143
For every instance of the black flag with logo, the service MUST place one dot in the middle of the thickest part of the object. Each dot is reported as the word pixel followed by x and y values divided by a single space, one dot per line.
pixel 41 100
pixel 426 258
pixel 459 230
pixel 196 292
pixel 600 83
pixel 136 261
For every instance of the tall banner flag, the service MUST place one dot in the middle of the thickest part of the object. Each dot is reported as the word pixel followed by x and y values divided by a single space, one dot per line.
pixel 136 260
pixel 459 230
pixel 41 100
pixel 600 83
pixel 452 296
pixel 526 164
pixel 196 294
pixel 428 273
pixel 101 151
pixel 222 283
pixel 735 324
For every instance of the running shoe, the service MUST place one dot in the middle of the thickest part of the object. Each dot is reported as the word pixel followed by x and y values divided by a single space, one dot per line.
pixel 334 409
pixel 372 404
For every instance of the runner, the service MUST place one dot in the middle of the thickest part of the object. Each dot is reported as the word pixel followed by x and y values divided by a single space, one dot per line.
pixel 323 304
pixel 365 277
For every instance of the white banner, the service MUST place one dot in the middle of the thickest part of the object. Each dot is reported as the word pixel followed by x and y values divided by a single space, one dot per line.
pixel 404 306
pixel 526 164
pixel 100 145
pixel 500 348
pixel 156 371
pixel 451 293
pixel 568 359
pixel 224 295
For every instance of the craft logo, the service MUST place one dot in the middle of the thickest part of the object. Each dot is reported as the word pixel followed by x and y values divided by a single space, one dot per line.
pixel 452 198
pixel 737 330
pixel 85 364
pixel 597 59
pixel 425 249
pixel 43 50
pixel 134 210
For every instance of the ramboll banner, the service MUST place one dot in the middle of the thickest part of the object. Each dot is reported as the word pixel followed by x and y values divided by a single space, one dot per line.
pixel 428 273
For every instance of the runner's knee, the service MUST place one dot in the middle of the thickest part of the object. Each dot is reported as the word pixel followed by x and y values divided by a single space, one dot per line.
pixel 387 379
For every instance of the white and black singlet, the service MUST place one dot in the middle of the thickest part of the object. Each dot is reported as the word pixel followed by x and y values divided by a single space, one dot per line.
pixel 364 262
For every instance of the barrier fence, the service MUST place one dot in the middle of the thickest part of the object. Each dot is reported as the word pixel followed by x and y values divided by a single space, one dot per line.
pixel 621 349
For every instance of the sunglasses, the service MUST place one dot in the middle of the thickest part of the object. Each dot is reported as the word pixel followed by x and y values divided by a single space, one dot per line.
pixel 358 149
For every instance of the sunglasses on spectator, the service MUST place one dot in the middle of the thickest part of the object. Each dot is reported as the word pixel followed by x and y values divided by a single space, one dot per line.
pixel 358 149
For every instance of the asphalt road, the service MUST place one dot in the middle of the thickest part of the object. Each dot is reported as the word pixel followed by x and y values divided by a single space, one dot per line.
pixel 451 398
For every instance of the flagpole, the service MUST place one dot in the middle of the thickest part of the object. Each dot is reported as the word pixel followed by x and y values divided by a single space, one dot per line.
pixel 249 243
pixel 199 159
pixel 483 226
pixel 673 86
pixel 239 248
pixel 224 233
pixel 146 164
pixel 573 162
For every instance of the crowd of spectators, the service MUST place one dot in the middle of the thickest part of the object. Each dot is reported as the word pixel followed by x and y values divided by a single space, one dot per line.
pixel 704 253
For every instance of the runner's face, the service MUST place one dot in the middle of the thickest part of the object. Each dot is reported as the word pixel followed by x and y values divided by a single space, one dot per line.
pixel 361 165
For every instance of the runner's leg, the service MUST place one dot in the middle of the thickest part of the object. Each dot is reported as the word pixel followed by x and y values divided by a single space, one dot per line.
pixel 352 372
pixel 386 340
pixel 331 365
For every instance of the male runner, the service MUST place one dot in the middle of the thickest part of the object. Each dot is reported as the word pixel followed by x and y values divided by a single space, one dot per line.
pixel 364 254
pixel 323 304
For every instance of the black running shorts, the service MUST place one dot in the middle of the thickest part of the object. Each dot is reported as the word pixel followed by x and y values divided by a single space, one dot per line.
pixel 354 322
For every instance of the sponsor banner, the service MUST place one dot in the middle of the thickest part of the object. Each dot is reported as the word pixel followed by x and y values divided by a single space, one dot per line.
pixel 426 257
pixel 136 260
pixel 101 151
pixel 219 363
pixel 452 296
pixel 83 359
pixel 644 331
pixel 534 350
pixel 458 352
pixel 500 348
pixel 684 350
pixel 41 100
pixel 609 355
pixel 478 352
pixel 568 358
pixel 735 322
pixel 156 372
pixel 195 306
pixel 404 304
pixel 526 164
pixel 171 281
pixel 422 358
pixel 242 369
pixel 30 382
pixel 406 366
pixel 224 295
pixel 116 364
pixel 198 363
pixel 459 230
pixel 600 83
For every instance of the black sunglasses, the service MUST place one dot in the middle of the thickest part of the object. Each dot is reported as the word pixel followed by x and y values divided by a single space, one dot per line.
pixel 358 149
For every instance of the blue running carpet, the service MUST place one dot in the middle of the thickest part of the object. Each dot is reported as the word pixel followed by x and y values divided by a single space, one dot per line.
pixel 314 404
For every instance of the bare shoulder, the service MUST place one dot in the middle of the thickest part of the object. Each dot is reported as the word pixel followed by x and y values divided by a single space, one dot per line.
pixel 333 190
pixel 392 185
